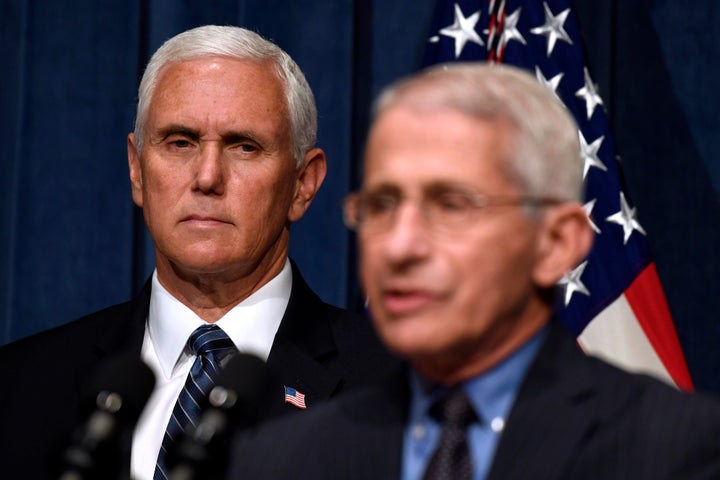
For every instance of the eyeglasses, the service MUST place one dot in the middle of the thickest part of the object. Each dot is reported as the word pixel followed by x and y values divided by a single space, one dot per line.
pixel 444 209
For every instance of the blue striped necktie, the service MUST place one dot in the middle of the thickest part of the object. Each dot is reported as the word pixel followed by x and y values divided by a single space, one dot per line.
pixel 211 345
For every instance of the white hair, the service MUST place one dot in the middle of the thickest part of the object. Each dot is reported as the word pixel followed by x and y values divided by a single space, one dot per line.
pixel 544 155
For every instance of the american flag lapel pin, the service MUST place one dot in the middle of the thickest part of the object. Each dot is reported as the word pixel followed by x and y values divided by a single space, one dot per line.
pixel 294 397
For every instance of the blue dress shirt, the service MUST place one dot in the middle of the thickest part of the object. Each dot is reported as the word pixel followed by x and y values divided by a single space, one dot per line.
pixel 492 395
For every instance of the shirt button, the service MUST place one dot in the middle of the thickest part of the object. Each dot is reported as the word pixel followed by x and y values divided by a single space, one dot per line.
pixel 497 424
pixel 418 431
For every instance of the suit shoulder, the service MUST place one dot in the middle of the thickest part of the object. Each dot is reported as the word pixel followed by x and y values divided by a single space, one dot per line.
pixel 85 327
pixel 114 329
pixel 616 377
pixel 656 413
pixel 644 414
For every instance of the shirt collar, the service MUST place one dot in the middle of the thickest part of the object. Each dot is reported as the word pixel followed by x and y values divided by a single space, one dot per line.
pixel 251 324
pixel 491 393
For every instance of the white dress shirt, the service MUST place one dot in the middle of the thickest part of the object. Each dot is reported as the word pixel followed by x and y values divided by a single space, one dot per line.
pixel 251 325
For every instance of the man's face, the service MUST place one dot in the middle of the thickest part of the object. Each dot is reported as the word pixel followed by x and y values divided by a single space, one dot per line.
pixel 453 299
pixel 216 177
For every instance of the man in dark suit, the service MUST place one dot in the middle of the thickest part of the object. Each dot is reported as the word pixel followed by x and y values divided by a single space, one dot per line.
pixel 469 214
pixel 222 161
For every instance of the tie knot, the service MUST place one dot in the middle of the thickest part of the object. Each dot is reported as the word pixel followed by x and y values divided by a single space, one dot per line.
pixel 455 408
pixel 209 339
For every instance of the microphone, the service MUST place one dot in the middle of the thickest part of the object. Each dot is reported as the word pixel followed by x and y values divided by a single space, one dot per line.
pixel 237 400
pixel 117 395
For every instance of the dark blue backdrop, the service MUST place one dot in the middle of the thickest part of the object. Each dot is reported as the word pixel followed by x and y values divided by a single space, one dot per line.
pixel 73 242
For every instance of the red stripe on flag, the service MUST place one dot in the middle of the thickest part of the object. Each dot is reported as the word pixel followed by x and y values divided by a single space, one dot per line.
pixel 647 300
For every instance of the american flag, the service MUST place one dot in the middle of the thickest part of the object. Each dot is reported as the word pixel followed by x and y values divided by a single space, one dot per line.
pixel 613 301
pixel 295 397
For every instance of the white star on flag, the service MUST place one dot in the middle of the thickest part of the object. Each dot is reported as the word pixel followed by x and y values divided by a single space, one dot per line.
pixel 553 28
pixel 510 30
pixel 589 153
pixel 588 207
pixel 626 218
pixel 552 84
pixel 463 30
pixel 590 94
pixel 573 283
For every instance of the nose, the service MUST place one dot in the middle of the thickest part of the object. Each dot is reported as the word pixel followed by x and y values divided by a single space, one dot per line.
pixel 407 240
pixel 210 175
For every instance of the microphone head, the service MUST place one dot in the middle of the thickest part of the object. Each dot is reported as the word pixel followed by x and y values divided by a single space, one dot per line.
pixel 121 386
pixel 242 388
pixel 116 395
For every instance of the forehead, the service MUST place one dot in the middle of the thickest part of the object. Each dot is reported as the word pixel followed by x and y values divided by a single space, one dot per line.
pixel 219 87
pixel 411 147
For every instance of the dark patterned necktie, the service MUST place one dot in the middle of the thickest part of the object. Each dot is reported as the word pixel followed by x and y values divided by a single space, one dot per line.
pixel 211 345
pixel 451 460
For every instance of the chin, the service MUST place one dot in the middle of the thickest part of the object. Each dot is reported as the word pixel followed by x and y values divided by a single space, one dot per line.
pixel 409 340
pixel 206 265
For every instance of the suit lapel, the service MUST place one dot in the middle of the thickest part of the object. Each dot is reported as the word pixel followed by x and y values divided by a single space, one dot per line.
pixel 125 334
pixel 303 351
pixel 123 328
pixel 556 406
pixel 295 368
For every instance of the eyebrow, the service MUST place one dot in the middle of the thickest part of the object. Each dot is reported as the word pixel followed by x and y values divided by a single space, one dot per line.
pixel 176 129
pixel 231 136
pixel 383 189
pixel 435 186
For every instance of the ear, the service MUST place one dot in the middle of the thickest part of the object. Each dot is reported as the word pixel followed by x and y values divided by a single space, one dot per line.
pixel 135 170
pixel 310 176
pixel 564 240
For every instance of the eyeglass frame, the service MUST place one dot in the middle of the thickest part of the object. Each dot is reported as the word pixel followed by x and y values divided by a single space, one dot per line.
pixel 477 202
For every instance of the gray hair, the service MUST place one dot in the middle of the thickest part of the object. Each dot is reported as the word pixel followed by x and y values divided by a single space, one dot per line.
pixel 240 43
pixel 544 157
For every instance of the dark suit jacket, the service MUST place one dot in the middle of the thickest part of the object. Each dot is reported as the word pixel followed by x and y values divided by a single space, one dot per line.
pixel 318 349
pixel 575 417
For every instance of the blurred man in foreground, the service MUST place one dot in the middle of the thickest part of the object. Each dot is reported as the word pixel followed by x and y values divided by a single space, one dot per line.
pixel 469 214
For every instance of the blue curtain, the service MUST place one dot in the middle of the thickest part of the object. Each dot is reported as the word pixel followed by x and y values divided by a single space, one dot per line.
pixel 72 241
